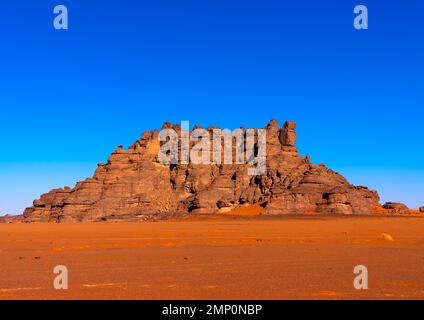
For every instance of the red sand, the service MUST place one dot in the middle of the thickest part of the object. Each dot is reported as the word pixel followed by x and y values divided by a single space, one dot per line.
pixel 218 258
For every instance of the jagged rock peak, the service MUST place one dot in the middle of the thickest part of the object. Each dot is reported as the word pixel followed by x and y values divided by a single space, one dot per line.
pixel 273 123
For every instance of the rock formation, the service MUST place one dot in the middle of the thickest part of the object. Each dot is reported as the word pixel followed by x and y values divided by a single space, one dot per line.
pixel 395 207
pixel 421 209
pixel 9 218
pixel 134 185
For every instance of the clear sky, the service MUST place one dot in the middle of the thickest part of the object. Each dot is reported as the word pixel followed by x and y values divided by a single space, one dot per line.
pixel 68 98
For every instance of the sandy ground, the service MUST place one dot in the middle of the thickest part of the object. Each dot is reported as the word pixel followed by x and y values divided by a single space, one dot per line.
pixel 220 258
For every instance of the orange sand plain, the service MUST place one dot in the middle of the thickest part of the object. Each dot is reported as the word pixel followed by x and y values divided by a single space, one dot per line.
pixel 217 258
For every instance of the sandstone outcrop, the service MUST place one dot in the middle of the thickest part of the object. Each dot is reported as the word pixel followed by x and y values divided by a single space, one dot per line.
pixel 395 207
pixel 134 185
pixel 9 218
pixel 421 209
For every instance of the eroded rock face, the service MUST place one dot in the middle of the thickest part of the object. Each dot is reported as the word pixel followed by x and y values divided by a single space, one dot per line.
pixel 134 185
pixel 421 209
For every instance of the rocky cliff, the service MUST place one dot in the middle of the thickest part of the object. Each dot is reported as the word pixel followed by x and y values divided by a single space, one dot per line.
pixel 134 185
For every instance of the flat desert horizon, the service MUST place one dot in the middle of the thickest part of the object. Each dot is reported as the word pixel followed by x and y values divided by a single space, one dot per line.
pixel 218 257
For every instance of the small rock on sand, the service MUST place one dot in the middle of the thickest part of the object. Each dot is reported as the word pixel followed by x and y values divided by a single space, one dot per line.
pixel 385 236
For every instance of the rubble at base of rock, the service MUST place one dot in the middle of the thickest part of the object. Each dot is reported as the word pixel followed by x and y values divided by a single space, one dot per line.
pixel 134 185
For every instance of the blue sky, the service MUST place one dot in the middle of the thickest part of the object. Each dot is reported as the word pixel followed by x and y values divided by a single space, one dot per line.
pixel 68 98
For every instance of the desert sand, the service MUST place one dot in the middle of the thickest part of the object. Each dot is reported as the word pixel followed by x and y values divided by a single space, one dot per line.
pixel 215 258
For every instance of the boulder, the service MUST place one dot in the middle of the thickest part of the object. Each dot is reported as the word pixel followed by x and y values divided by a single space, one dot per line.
pixel 396 207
